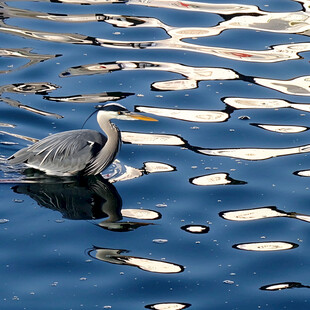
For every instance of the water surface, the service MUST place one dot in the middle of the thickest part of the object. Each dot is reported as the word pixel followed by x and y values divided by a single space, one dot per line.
pixel 208 208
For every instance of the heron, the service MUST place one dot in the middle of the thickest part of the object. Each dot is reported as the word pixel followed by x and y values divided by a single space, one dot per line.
pixel 78 152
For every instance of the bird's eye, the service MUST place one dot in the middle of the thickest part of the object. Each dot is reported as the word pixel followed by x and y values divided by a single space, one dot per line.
pixel 119 113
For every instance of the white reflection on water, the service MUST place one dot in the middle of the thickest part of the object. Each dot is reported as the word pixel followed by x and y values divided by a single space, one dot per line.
pixel 7 125
pixel 168 306
pixel 299 86
pixel 226 9
pixel 193 74
pixel 26 53
pixel 91 98
pixel 154 167
pixel 282 128
pixel 186 115
pixel 286 22
pixel 261 213
pixel 275 22
pixel 255 153
pixel 33 140
pixel 141 214
pixel 283 286
pixel 196 229
pixel 266 246
pixel 215 179
pixel 115 256
pixel 151 139
pixel 128 173
pixel 303 173
pixel 28 88
pixel 258 103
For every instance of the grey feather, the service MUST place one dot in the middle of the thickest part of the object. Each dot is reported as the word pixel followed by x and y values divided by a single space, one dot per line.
pixel 68 152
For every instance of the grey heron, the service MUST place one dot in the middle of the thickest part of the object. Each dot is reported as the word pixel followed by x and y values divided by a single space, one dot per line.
pixel 78 152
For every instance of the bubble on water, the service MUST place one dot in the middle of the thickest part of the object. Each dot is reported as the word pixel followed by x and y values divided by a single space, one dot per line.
pixel 59 221
pixel 160 240
pixel 161 205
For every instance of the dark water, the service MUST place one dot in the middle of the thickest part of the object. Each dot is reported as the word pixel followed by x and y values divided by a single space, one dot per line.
pixel 208 208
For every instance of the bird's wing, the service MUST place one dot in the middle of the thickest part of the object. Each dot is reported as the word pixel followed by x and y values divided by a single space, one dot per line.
pixel 63 153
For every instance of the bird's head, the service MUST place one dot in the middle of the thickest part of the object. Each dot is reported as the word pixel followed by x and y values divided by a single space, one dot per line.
pixel 117 111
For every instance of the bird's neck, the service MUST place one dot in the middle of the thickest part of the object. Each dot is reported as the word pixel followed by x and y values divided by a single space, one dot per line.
pixel 112 133
pixel 110 130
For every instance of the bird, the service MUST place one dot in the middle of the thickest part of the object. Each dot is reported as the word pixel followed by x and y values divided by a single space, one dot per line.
pixel 82 152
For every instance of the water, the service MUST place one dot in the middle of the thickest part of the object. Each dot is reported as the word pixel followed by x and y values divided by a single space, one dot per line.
pixel 206 208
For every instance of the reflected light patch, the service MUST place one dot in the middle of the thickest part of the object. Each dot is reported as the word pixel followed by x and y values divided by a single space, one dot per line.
pixel 211 179
pixel 196 229
pixel 187 115
pixel 283 286
pixel 168 306
pixel 115 256
pixel 257 103
pixel 282 128
pixel 175 85
pixel 154 167
pixel 141 214
pixel 266 246
pixel 215 179
pixel 303 173
pixel 255 153
pixel 153 266
pixel 252 214
pixel 151 139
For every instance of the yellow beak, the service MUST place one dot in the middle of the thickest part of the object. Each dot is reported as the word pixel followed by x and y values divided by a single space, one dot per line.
pixel 143 117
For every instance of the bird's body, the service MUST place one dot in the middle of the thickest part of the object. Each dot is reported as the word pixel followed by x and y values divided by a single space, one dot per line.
pixel 83 152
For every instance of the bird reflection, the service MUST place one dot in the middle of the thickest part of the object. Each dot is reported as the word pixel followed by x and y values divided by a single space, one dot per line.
pixel 122 226
pixel 75 198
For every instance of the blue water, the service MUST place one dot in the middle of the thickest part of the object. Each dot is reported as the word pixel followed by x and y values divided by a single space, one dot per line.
pixel 72 257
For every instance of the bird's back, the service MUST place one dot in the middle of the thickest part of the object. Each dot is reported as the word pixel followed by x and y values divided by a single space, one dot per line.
pixel 64 153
